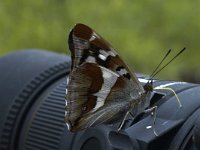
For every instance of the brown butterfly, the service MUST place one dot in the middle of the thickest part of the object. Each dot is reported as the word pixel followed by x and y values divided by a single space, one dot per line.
pixel 100 86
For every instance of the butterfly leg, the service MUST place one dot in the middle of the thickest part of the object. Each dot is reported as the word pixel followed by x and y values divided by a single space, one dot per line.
pixel 132 115
pixel 154 111
pixel 122 123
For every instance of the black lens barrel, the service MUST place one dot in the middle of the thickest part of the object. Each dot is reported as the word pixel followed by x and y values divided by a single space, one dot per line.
pixel 25 77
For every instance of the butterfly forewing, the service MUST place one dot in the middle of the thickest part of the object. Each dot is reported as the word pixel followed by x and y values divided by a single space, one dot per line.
pixel 100 85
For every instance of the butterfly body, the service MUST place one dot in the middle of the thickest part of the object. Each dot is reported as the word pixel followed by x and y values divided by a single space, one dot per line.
pixel 100 86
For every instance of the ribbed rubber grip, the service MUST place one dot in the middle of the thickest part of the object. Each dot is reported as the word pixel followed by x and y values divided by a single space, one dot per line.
pixel 23 101
pixel 48 122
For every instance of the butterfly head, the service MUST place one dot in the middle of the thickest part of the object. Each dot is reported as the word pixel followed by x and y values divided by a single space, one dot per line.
pixel 148 87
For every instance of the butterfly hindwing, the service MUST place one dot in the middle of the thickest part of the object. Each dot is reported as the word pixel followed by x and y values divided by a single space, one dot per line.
pixel 100 85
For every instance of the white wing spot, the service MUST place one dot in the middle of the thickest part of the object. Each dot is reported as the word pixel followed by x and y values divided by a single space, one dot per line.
pixel 91 59
pixel 66 113
pixel 66 91
pixel 65 102
pixel 111 53
pixel 122 71
pixel 104 54
pixel 93 36
pixel 102 57
pixel 68 126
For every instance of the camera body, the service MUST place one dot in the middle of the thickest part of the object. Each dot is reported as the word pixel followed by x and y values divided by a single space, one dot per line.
pixel 33 84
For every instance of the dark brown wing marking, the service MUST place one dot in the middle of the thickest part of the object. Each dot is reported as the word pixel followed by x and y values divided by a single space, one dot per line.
pixel 85 42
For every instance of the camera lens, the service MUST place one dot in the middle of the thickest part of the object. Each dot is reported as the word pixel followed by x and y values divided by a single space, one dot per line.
pixel 32 108
pixel 33 100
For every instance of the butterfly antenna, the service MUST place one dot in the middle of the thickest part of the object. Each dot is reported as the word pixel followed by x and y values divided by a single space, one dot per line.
pixel 148 86
pixel 156 72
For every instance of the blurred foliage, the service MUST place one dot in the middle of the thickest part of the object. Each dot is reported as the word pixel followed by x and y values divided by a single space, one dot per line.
pixel 141 31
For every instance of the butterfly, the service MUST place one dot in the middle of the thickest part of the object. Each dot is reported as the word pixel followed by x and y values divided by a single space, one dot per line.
pixel 100 87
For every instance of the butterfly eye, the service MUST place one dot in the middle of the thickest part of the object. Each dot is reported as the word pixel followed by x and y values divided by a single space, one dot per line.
pixel 84 108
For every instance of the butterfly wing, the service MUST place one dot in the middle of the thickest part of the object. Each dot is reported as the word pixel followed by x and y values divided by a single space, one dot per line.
pixel 100 85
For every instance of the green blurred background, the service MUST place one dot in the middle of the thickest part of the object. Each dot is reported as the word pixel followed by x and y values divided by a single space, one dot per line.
pixel 141 31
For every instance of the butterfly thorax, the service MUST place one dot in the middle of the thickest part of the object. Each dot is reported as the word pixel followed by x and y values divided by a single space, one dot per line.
pixel 140 103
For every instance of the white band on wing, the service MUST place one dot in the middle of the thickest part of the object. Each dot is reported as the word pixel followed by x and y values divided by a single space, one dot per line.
pixel 110 79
